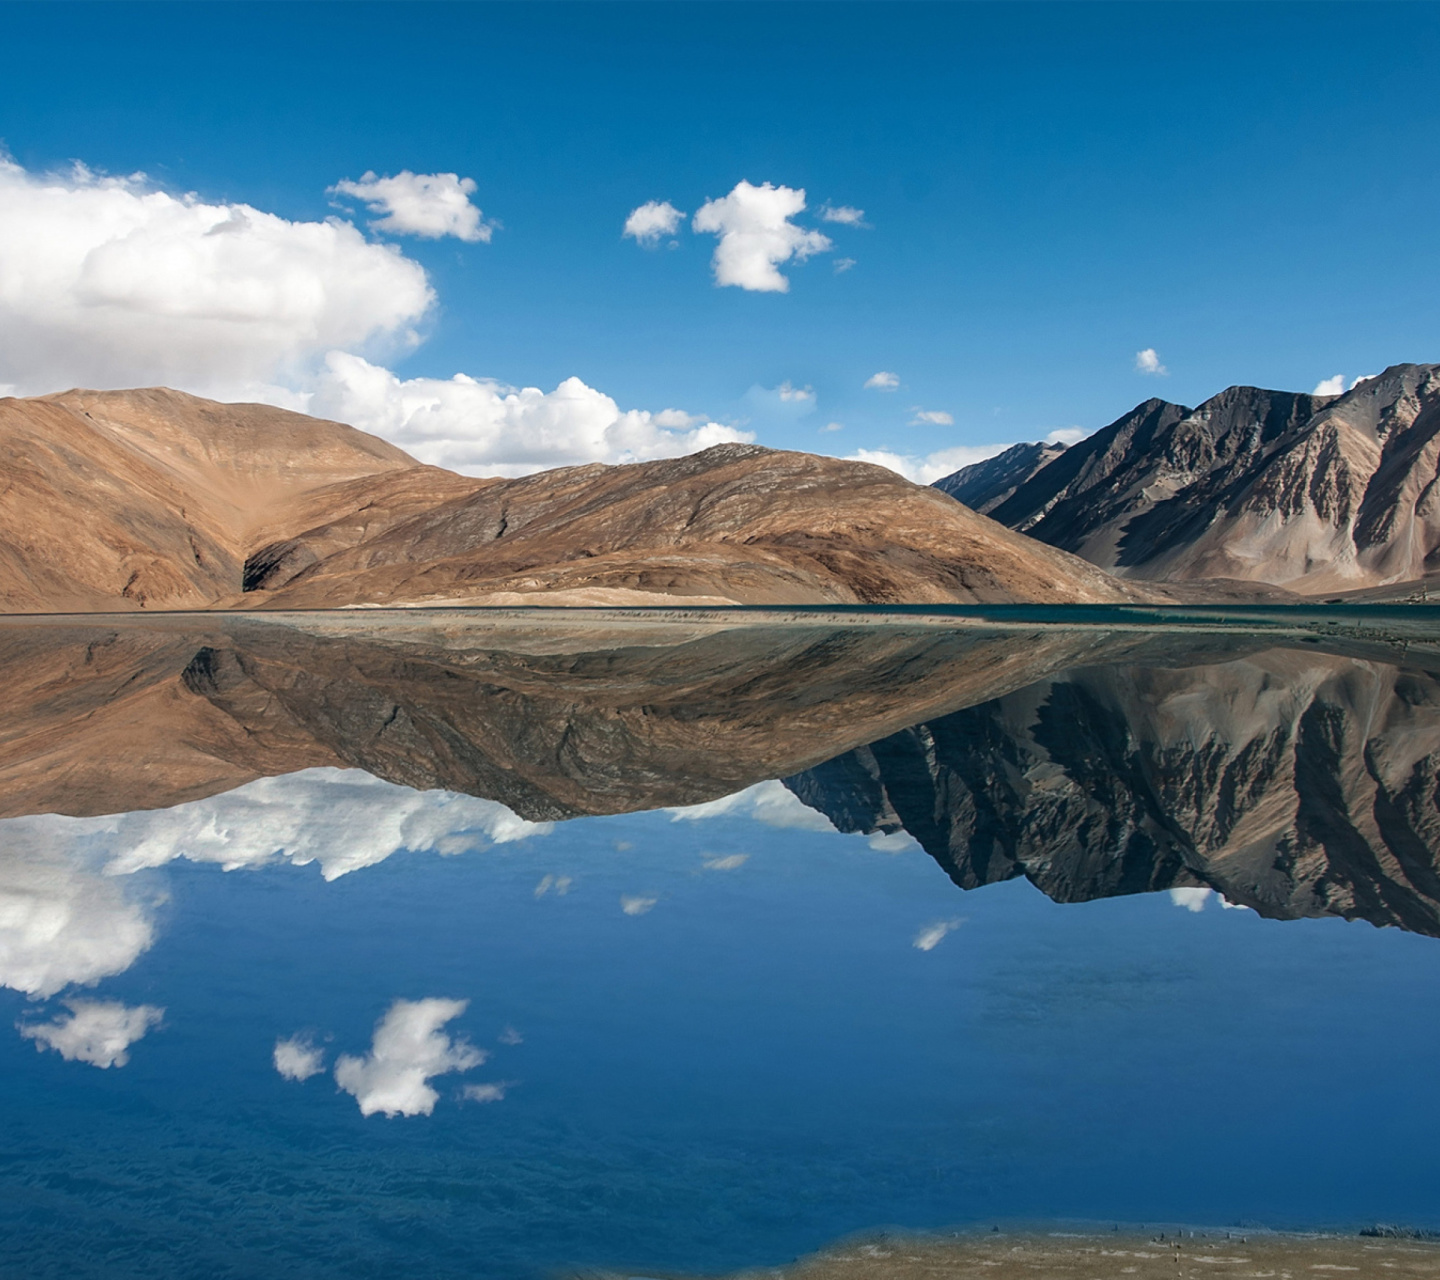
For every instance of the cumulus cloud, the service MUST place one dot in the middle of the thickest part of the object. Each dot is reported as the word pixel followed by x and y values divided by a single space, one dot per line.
pixel 1336 386
pixel 483 427
pixel 298 1059
pixel 652 222
pixel 1148 361
pixel 930 467
pixel 768 802
pixel 61 921
pixel 728 862
pixel 756 235
pixel 1192 899
pixel 846 215
pixel 883 381
pixel 1066 435
pixel 843 265
pixel 634 905
pixel 408 1051
pixel 429 205
pixel 934 417
pixel 110 282
pixel 932 935
pixel 99 1032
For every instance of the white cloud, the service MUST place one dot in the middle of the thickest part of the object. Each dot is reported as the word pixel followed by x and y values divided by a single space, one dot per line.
pixel 99 1032
pixel 429 205
pixel 493 1092
pixel 843 265
pixel 109 282
pixel 1364 377
pixel 882 381
pixel 846 215
pixel 343 819
pixel 932 935
pixel 409 1050
pixel 768 802
pixel 932 466
pixel 1336 386
pixel 728 862
pixel 937 417
pixel 652 222
pixel 510 1036
pixel 61 922
pixel 1148 361
pixel 756 235
pixel 298 1059
pixel 633 905
pixel 560 884
pixel 892 841
pixel 1066 435
pixel 1192 899
pixel 833 426
pixel 483 427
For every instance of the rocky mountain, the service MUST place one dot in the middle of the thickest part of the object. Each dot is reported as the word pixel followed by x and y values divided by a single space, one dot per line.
pixel 1318 494
pixel 983 486
pixel 1297 784
pixel 154 499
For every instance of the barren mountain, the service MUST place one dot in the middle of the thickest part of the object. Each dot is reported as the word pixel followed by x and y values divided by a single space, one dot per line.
pixel 1297 784
pixel 1314 493
pixel 155 499
pixel 983 486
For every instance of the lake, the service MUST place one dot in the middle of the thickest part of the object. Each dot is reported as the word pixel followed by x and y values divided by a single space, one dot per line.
pixel 496 943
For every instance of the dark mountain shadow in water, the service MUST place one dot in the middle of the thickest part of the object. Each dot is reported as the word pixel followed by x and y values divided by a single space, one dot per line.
pixel 1295 783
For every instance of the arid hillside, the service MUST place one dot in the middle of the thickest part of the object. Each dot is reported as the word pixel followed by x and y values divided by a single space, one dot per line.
pixel 156 499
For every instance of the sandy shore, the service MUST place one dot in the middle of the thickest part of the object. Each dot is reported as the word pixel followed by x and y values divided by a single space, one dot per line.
pixel 1105 1255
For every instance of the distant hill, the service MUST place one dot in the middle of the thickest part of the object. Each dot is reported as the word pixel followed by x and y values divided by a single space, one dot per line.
pixel 1318 494
pixel 983 486
pixel 156 499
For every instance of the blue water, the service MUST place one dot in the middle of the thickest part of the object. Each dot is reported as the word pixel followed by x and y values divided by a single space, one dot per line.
pixel 756 1064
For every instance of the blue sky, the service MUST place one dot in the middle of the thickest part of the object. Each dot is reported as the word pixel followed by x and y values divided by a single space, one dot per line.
pixel 1245 189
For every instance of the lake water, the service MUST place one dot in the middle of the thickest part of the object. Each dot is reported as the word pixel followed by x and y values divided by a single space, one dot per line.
pixel 458 945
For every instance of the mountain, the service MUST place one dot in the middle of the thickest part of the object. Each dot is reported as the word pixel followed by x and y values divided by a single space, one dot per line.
pixel 156 499
pixel 1318 494
pixel 983 486
pixel 1297 784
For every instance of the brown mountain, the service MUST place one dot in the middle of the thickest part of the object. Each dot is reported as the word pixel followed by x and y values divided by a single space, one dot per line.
pixel 155 499
pixel 1318 494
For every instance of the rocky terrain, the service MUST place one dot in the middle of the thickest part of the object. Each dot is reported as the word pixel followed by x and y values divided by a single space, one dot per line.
pixel 1295 783
pixel 1318 494
pixel 159 500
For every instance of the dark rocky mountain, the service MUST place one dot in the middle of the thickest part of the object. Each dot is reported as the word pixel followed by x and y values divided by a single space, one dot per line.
pixel 1297 784
pixel 1313 493
pixel 983 486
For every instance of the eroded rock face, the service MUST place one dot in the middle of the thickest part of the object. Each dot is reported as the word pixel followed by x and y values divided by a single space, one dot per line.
pixel 983 486
pixel 1314 493
pixel 153 499
pixel 1298 784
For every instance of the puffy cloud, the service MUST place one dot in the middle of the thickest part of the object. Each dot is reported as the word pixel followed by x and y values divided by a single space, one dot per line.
pixel 343 819
pixel 99 1032
pixel 1066 435
pixel 756 235
pixel 409 1050
pixel 728 862
pixel 768 802
pixel 429 205
pixel 934 417
pixel 298 1059
pixel 493 1092
pixel 882 381
pixel 932 466
pixel 652 222
pixel 833 426
pixel 845 214
pixel 1336 386
pixel 61 922
pixel 1148 361
pixel 560 884
pixel 1192 899
pixel 843 265
pixel 483 427
pixel 510 1036
pixel 634 905
pixel 109 282
pixel 932 935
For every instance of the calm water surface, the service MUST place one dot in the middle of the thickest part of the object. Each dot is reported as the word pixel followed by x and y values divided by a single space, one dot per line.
pixel 737 1023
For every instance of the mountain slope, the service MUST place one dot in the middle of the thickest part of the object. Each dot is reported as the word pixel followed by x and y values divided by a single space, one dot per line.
pixel 1317 494
pixel 983 486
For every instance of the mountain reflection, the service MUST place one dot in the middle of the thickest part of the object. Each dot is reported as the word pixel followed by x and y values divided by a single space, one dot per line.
pixel 1299 776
